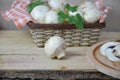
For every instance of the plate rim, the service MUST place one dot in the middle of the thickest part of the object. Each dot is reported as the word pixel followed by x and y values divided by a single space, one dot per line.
pixel 97 66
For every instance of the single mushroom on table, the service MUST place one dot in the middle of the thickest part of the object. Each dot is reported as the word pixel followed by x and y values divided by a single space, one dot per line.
pixel 111 50
pixel 55 47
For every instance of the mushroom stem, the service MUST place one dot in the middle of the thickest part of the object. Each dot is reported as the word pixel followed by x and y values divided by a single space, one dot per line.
pixel 61 54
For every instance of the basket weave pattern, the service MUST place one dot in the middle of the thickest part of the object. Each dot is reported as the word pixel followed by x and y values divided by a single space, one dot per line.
pixel 73 37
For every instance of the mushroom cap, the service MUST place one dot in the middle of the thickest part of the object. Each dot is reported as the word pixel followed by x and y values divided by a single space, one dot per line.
pixel 57 4
pixel 86 6
pixel 52 45
pixel 92 15
pixel 51 17
pixel 90 11
pixel 39 12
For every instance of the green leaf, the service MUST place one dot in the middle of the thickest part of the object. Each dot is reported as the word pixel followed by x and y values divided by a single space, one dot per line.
pixel 71 8
pixel 71 20
pixel 62 16
pixel 34 4
pixel 77 20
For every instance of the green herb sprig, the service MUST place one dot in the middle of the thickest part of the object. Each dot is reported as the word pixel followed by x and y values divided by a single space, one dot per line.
pixel 71 8
pixel 64 17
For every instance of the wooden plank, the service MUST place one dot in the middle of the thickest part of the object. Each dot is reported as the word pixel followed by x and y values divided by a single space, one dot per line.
pixel 36 59
pixel 14 34
pixel 18 52
pixel 10 39
pixel 15 43
pixel 42 62
pixel 109 36
pixel 31 50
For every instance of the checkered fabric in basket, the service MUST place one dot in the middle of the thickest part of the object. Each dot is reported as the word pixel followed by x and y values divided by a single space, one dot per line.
pixel 18 13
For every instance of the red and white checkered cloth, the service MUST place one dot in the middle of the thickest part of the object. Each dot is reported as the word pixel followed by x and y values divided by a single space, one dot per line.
pixel 104 9
pixel 20 15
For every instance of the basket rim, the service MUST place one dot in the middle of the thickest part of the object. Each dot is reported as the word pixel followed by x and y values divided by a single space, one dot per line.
pixel 33 25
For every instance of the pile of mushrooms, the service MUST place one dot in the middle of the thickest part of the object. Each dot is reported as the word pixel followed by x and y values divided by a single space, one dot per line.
pixel 55 47
pixel 48 13
pixel 111 50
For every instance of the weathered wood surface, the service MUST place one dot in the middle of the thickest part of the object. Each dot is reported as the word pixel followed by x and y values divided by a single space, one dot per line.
pixel 18 52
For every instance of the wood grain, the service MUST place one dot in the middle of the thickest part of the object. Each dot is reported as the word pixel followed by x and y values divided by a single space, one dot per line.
pixel 18 52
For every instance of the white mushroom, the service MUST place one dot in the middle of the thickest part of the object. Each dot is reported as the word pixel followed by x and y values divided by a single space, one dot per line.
pixel 57 5
pixel 55 47
pixel 111 50
pixel 51 17
pixel 86 6
pixel 39 12
pixel 106 46
pixel 111 56
pixel 90 11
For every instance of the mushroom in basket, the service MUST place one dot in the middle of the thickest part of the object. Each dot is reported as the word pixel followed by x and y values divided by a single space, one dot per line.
pixel 39 12
pixel 57 5
pixel 91 12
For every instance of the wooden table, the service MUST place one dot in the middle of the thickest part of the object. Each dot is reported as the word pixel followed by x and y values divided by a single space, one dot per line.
pixel 18 53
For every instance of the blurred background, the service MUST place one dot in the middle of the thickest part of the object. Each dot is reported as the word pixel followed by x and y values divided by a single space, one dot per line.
pixel 113 19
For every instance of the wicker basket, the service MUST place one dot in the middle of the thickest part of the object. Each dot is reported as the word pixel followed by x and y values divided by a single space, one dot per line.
pixel 74 37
